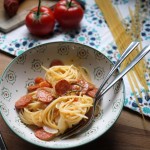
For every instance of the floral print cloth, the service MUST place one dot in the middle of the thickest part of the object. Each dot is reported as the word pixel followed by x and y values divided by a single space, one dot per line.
pixel 93 32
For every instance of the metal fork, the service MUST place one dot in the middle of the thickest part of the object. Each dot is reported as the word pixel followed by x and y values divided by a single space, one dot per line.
pixel 85 123
pixel 129 49
pixel 2 143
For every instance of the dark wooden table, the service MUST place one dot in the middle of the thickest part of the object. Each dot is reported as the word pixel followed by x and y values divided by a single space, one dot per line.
pixel 128 132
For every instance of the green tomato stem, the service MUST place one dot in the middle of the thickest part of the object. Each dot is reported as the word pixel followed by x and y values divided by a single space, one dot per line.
pixel 38 11
pixel 70 3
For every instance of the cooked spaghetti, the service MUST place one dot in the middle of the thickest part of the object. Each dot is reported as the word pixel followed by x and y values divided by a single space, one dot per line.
pixel 57 102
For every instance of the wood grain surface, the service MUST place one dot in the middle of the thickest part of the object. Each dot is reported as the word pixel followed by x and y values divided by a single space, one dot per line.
pixel 128 132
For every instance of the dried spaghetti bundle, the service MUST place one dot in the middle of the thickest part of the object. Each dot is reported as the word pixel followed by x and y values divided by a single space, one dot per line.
pixel 123 39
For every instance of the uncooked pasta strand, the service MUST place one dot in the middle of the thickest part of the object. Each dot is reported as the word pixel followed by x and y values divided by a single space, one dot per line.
pixel 122 38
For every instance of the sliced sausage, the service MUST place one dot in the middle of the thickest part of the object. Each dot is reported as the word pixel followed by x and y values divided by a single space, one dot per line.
pixel 32 88
pixel 44 96
pixel 62 87
pixel 91 87
pixel 45 84
pixel 11 7
pixel 92 92
pixel 23 101
pixel 56 62
pixel 76 88
pixel 43 135
pixel 84 86
pixel 38 80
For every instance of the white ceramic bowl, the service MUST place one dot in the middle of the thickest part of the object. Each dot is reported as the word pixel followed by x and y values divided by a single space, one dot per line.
pixel 23 69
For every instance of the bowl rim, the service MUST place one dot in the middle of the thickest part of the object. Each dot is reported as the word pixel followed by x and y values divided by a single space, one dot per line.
pixel 81 144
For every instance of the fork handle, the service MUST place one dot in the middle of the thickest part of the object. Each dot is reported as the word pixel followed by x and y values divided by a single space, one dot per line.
pixel 129 49
pixel 128 68
pixel 2 143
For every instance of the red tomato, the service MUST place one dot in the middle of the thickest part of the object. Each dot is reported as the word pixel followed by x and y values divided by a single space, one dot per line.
pixel 68 13
pixel 42 23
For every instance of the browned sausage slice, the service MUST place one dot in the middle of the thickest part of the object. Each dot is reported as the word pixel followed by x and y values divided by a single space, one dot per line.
pixel 62 87
pixel 23 101
pixel 43 135
pixel 11 7
pixel 37 85
pixel 92 93
pixel 32 88
pixel 38 80
pixel 44 96
pixel 84 86
pixel 56 62
pixel 80 86
pixel 45 84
